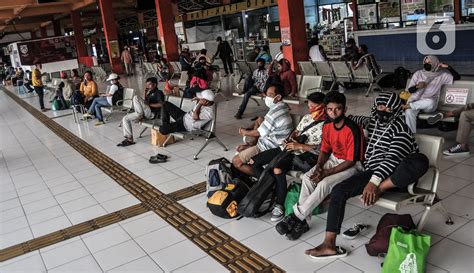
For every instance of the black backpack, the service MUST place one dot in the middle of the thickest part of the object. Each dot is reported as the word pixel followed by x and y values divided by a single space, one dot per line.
pixel 224 202
pixel 77 98
pixel 400 77
pixel 118 95
pixel 261 196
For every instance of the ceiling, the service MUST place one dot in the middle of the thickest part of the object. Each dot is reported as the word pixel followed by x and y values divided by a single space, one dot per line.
pixel 30 15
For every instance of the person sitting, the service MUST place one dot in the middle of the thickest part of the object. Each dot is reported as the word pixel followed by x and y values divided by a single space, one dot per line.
pixel 351 52
pixel 20 75
pixel 88 89
pixel 67 86
pixel 465 117
pixel 200 78
pixel 203 53
pixel 392 160
pixel 271 131
pixel 285 75
pixel 265 54
pixel 163 69
pixel 76 79
pixel 425 86
pixel 146 108
pixel 185 59
pixel 61 90
pixel 279 55
pixel 104 100
pixel 198 118
pixel 253 85
pixel 28 83
pixel 252 56
pixel 339 158
pixel 316 51
pixel 367 59
pixel 301 151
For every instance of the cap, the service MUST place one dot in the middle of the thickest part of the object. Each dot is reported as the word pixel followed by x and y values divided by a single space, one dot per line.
pixel 112 76
pixel 206 94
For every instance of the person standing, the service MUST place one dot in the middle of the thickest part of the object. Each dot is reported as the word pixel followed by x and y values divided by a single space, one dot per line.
pixel 38 85
pixel 127 60
pixel 225 53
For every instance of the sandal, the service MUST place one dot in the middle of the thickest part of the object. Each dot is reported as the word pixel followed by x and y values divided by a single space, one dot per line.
pixel 125 143
pixel 155 160
pixel 340 253
pixel 160 156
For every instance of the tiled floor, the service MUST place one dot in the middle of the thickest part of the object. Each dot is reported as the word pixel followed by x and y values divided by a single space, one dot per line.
pixel 45 185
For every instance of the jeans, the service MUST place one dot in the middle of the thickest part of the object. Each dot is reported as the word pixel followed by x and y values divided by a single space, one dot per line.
pixel 425 105
pixel 40 91
pixel 169 111
pixel 97 103
pixel 245 100
pixel 407 172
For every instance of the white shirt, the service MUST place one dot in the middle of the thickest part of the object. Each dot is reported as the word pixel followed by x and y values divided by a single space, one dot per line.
pixel 206 115
pixel 279 56
pixel 315 54
pixel 113 89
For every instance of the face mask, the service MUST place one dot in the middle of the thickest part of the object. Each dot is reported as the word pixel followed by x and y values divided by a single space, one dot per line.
pixel 427 67
pixel 261 67
pixel 336 120
pixel 269 102
pixel 384 116
pixel 112 82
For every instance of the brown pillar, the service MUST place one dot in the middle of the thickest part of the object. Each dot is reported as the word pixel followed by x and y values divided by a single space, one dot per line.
pixel 78 34
pixel 111 36
pixel 44 33
pixel 457 11
pixel 292 26
pixel 57 28
pixel 167 33
pixel 33 34
pixel 355 15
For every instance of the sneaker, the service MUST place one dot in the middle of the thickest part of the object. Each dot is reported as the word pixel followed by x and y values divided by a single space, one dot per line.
pixel 434 119
pixel 342 89
pixel 456 150
pixel 98 123
pixel 298 230
pixel 354 231
pixel 87 115
pixel 286 225
pixel 277 213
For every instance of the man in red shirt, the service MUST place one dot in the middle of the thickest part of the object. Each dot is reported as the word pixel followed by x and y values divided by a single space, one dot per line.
pixel 340 157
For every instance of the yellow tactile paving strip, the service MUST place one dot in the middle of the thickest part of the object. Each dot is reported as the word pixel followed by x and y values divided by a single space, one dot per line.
pixel 223 248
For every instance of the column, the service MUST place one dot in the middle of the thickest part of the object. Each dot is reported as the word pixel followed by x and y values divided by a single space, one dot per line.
pixel 33 34
pixel 167 33
pixel 111 36
pixel 293 30
pixel 355 15
pixel 78 34
pixel 57 28
pixel 457 11
pixel 44 33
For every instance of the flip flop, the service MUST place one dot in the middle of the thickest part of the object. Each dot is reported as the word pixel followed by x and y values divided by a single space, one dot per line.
pixel 340 253
pixel 125 143
pixel 156 160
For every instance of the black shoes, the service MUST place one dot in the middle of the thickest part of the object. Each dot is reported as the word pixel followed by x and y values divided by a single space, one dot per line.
pixel 286 225
pixel 292 227
pixel 298 230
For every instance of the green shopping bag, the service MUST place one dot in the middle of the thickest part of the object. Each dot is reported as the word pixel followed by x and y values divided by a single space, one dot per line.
pixel 407 251
pixel 56 105
pixel 292 197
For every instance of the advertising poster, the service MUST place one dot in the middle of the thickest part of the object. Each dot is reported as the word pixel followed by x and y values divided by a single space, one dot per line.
pixel 47 50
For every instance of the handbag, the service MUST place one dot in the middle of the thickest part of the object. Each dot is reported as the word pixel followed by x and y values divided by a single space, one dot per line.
pixel 407 251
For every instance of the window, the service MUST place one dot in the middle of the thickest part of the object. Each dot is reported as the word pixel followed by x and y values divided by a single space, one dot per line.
pixel 441 8
pixel 412 10
pixel 467 7
pixel 389 11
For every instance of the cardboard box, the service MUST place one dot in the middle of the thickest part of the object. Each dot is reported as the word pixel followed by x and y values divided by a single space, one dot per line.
pixel 158 139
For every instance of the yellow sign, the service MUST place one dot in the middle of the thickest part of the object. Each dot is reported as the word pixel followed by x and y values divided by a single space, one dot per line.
pixel 228 9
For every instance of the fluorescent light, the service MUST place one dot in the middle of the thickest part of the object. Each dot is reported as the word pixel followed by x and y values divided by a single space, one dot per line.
pixel 135 38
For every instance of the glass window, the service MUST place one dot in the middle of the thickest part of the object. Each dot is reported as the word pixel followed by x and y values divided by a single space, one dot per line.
pixel 467 7
pixel 413 9
pixel 367 14
pixel 441 8
pixel 389 11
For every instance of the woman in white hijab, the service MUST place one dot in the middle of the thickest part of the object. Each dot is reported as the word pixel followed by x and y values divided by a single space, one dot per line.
pixel 425 86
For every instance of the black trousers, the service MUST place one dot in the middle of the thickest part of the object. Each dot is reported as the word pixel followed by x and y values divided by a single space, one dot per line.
pixel 407 172
pixel 227 61
pixel 40 91
pixel 88 103
pixel 169 111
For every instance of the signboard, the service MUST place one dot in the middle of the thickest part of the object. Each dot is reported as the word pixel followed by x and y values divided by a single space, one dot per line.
pixel 47 50
pixel 114 48
pixel 456 96
pixel 228 9
pixel 285 36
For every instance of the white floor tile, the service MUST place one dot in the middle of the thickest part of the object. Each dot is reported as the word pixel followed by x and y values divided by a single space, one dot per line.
pixel 460 261
pixel 36 196
pixel 79 204
pixel 85 264
pixel 461 171
pixel 72 195
pixel 203 265
pixel 40 205
pixel 6 215
pixel 15 237
pixel 245 227
pixel 86 214
pixel 294 260
pixel 45 215
pixel 30 264
pixel 269 243
pixel 361 260
pixel 50 226
pixel 64 254
pixel 106 239
pixel 118 255
pixel 159 239
pixel 142 265
pixel 183 253
pixel 367 217
pixel 464 234
pixel 460 206
pixel 144 225
pixel 451 183
pixel 12 225
pixel 120 203
pixel 338 266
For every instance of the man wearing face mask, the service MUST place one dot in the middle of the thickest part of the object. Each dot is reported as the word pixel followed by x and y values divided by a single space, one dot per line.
pixel 274 129
pixel 392 160
pixel 253 85
pixel 425 86
pixel 339 158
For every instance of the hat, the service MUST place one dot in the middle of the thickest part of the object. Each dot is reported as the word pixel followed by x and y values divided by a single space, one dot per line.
pixel 206 94
pixel 112 76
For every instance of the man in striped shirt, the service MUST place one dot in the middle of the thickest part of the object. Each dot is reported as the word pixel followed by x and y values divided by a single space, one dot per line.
pixel 274 129
pixel 392 161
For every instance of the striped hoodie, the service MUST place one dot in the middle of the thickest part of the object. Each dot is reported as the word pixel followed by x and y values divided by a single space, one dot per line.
pixel 389 143
pixel 276 127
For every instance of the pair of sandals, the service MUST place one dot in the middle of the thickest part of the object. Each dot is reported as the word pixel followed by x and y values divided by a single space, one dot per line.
pixel 125 143
pixel 158 158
